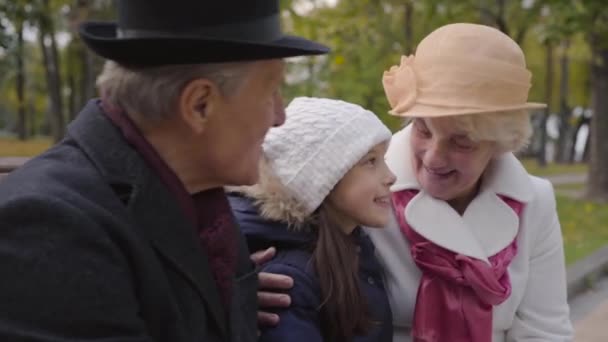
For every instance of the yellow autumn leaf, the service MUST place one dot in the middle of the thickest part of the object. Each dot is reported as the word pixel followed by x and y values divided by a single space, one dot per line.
pixel 339 60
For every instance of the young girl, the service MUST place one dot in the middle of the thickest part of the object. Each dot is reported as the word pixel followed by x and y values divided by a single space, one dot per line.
pixel 323 177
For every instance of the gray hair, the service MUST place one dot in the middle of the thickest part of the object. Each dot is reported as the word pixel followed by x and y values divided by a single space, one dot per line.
pixel 510 130
pixel 153 92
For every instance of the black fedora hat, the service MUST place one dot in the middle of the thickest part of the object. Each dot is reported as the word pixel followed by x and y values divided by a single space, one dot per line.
pixel 160 32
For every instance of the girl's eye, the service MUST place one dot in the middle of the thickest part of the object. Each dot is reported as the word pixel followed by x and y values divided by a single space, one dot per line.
pixel 369 162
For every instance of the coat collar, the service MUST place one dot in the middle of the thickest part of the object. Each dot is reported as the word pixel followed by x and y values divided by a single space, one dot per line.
pixel 157 216
pixel 488 224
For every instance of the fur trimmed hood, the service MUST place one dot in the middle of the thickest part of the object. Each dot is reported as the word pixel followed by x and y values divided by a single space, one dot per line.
pixel 274 201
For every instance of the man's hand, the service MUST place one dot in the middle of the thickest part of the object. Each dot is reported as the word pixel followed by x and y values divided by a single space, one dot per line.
pixel 272 283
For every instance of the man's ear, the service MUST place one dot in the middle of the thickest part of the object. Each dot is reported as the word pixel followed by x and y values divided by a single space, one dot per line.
pixel 196 101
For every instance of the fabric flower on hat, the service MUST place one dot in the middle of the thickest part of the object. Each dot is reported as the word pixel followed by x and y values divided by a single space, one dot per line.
pixel 400 85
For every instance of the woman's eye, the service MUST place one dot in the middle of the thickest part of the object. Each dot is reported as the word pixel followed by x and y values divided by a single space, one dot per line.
pixel 464 144
pixel 372 161
pixel 424 132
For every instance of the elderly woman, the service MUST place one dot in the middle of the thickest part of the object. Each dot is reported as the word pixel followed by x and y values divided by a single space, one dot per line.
pixel 474 252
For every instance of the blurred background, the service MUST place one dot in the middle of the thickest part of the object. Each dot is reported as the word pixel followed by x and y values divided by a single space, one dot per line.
pixel 47 74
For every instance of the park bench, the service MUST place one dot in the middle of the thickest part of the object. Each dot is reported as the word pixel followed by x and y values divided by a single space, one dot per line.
pixel 8 164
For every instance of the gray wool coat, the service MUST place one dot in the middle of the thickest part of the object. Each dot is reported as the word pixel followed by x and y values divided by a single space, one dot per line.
pixel 94 248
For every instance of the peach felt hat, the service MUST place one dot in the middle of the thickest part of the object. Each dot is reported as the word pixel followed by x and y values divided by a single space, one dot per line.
pixel 460 69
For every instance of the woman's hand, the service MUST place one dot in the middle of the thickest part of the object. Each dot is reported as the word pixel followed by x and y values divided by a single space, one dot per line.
pixel 273 284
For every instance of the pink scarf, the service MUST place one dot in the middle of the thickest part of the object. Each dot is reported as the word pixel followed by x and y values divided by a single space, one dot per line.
pixel 456 293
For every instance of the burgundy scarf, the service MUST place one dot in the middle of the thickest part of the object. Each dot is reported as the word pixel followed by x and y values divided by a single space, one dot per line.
pixel 456 292
pixel 208 210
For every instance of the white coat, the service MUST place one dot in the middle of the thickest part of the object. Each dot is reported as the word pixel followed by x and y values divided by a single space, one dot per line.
pixel 537 309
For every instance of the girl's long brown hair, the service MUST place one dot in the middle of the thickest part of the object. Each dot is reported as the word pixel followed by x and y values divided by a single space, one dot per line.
pixel 343 311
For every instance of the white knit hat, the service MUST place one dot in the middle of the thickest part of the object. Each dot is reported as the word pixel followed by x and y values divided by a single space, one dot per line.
pixel 319 143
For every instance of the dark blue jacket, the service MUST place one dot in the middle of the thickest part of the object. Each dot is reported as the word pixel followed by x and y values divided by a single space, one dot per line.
pixel 300 322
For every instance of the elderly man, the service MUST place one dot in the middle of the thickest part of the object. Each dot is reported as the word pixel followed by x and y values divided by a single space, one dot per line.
pixel 122 231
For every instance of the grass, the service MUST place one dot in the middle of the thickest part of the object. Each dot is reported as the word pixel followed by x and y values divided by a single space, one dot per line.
pixel 12 147
pixel 584 226
pixel 580 187
pixel 553 169
pixel 584 223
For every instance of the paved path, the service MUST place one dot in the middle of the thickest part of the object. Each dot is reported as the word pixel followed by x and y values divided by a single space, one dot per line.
pixel 567 178
pixel 594 327
pixel 589 312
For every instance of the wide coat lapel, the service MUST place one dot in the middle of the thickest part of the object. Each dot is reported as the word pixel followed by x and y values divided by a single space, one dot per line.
pixel 488 224
pixel 155 213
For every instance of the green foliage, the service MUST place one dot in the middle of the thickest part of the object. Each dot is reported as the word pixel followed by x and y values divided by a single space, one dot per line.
pixel 592 18
pixel 64 17
pixel 369 36
pixel 366 37
pixel 37 97
pixel 589 17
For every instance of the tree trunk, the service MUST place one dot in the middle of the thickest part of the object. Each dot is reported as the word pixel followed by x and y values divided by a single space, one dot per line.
pixel 597 187
pixel 587 149
pixel 51 65
pixel 581 122
pixel 87 87
pixel 33 125
pixel 501 21
pixel 521 35
pixel 85 76
pixel 21 107
pixel 59 84
pixel 73 99
pixel 56 105
pixel 311 84
pixel 486 16
pixel 409 28
pixel 542 154
pixel 565 136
